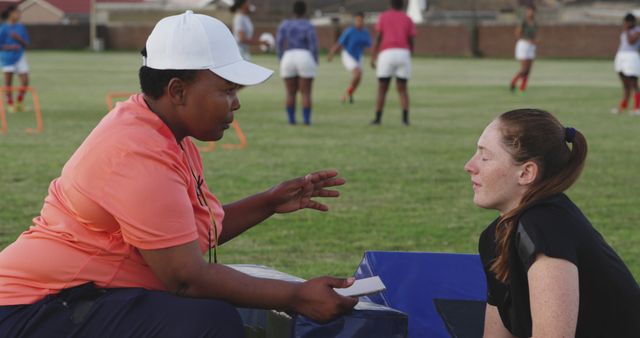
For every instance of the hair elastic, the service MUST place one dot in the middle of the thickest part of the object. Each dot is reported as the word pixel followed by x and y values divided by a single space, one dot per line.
pixel 569 134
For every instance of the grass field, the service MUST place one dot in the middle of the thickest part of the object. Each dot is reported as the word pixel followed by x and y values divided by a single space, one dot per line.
pixel 406 187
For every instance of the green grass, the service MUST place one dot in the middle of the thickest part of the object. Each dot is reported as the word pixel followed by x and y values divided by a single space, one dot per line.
pixel 406 187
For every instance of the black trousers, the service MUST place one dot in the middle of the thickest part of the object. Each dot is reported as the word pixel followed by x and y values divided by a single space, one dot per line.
pixel 86 311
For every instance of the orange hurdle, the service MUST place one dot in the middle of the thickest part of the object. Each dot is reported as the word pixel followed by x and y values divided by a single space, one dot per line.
pixel 113 95
pixel 36 107
pixel 211 146
pixel 243 141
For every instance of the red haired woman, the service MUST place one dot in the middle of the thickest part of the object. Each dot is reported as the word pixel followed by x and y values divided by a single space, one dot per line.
pixel 549 272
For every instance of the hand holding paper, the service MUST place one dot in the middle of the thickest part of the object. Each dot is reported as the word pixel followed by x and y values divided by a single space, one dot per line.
pixel 361 287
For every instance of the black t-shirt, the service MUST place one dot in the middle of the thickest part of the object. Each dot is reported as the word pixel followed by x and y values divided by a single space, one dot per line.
pixel 609 295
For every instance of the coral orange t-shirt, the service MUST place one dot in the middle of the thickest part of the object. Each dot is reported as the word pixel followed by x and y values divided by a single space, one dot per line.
pixel 128 186
pixel 396 28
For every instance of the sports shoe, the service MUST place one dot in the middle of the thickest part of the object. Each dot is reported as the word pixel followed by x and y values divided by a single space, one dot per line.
pixel 346 97
pixel 12 108
pixel 512 88
pixel 616 110
pixel 405 118
pixel 635 112
pixel 376 122
pixel 20 107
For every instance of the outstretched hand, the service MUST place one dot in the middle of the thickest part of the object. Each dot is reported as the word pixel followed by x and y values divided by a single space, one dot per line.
pixel 296 194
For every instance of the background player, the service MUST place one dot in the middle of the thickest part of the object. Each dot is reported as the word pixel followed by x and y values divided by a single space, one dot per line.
pixel 353 41
pixel 394 43
pixel 13 41
pixel 297 48
pixel 526 33
pixel 627 64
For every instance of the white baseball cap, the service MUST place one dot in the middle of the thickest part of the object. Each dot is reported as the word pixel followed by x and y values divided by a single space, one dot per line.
pixel 194 41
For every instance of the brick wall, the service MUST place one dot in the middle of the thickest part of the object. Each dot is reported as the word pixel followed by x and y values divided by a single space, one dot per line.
pixel 443 40
pixel 432 40
pixel 571 41
pixel 590 41
pixel 125 37
pixel 47 36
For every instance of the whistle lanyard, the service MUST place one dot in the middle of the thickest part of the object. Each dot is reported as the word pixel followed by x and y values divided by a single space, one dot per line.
pixel 202 199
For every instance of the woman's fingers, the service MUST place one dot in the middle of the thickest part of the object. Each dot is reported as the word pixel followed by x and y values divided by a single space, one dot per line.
pixel 325 193
pixel 318 176
pixel 317 206
pixel 330 182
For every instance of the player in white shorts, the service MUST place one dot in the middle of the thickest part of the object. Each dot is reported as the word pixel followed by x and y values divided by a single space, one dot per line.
pixel 627 64
pixel 20 67
pixel 13 41
pixel 298 63
pixel 297 48
pixel 353 41
pixel 349 62
pixel 394 62
pixel 391 56
pixel 525 51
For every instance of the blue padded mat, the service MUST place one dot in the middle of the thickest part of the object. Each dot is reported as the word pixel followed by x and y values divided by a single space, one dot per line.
pixel 415 279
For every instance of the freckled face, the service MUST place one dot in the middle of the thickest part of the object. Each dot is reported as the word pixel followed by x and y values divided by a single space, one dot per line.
pixel 494 174
pixel 209 106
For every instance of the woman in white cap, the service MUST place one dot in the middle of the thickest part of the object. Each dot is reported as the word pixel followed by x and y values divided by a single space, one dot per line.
pixel 627 65
pixel 117 249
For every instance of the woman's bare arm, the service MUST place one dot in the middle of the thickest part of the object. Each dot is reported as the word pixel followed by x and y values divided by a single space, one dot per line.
pixel 493 327
pixel 184 272
pixel 554 295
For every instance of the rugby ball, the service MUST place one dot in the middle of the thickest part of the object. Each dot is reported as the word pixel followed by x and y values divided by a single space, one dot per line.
pixel 268 42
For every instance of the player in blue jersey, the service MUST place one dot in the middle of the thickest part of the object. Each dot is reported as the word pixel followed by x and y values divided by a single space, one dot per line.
pixel 353 42
pixel 13 41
